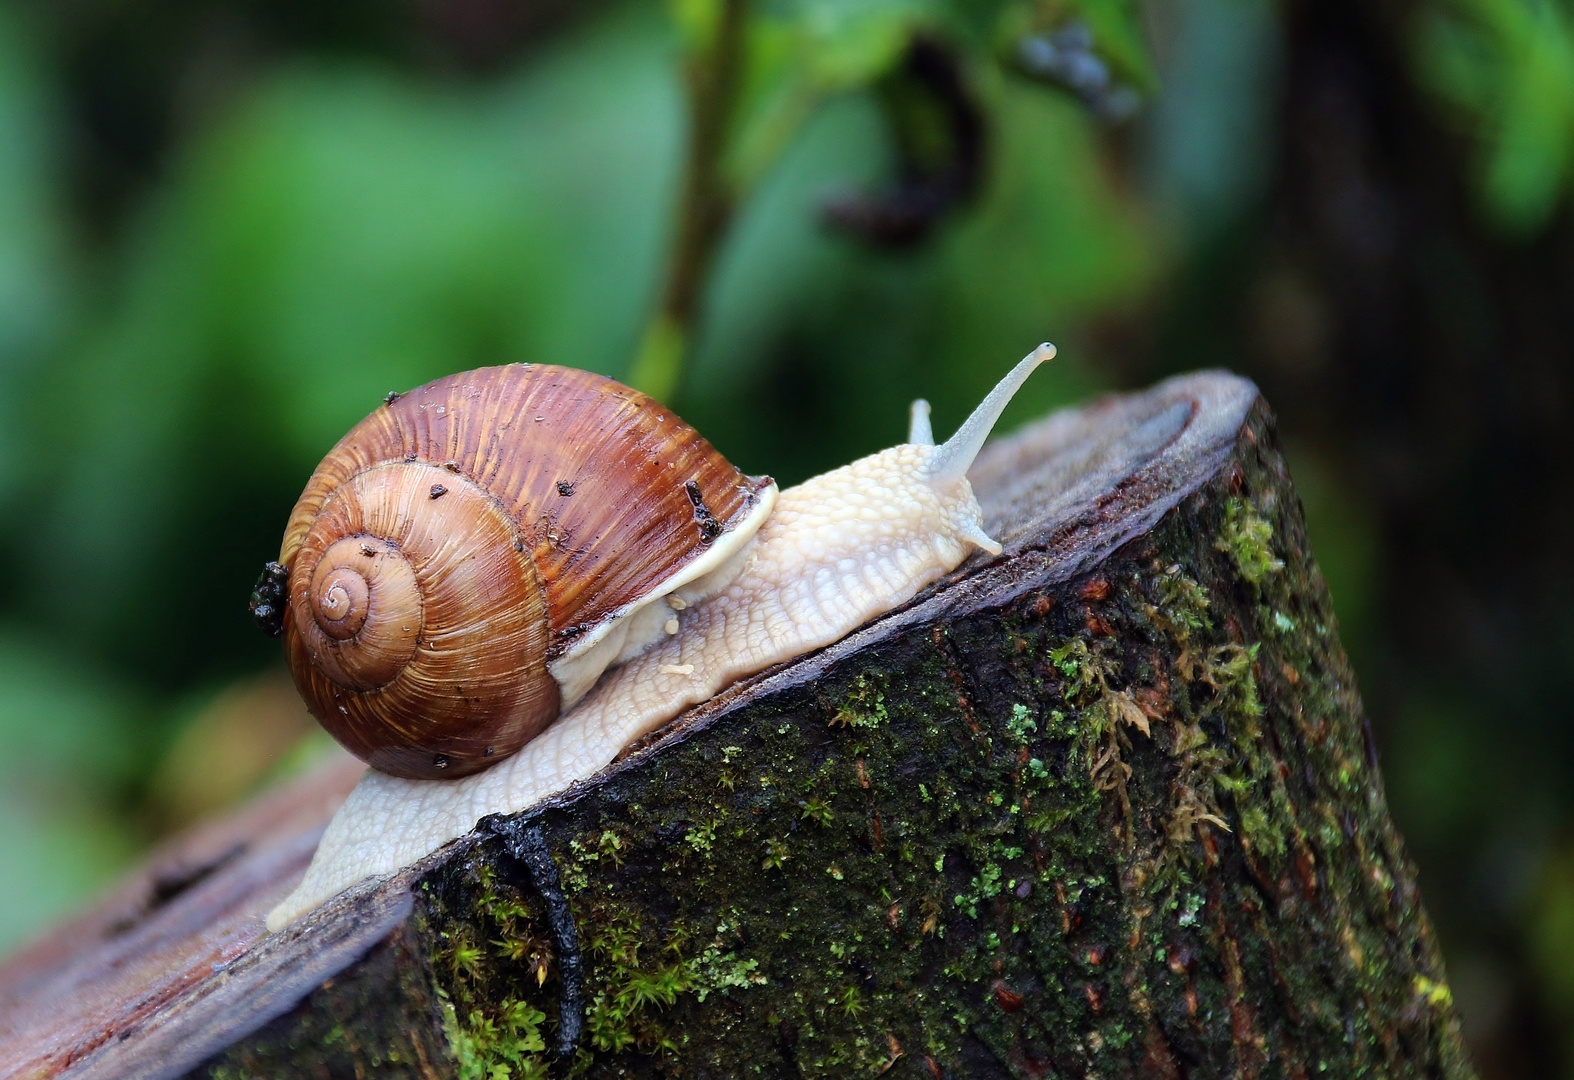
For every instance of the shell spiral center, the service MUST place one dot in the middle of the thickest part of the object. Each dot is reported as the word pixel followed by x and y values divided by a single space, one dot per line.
pixel 365 599
pixel 341 605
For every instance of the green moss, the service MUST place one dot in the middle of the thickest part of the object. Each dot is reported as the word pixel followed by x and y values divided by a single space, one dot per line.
pixel 817 811
pixel 505 1044
pixel 776 854
pixel 1021 725
pixel 701 837
pixel 1105 714
pixel 714 970
pixel 1181 608
pixel 490 969
pixel 986 883
pixel 864 706
pixel 1267 824
pixel 1248 539
pixel 628 995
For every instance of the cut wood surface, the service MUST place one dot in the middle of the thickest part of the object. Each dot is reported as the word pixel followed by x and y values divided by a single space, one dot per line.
pixel 1104 806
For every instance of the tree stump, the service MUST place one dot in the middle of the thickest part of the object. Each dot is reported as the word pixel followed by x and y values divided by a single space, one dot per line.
pixel 1105 806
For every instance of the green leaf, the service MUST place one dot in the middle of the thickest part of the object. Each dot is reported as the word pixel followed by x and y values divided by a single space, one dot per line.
pixel 1507 69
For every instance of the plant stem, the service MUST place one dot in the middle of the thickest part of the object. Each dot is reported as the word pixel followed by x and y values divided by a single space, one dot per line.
pixel 713 75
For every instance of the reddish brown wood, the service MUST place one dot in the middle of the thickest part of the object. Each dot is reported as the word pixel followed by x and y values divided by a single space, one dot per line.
pixel 131 975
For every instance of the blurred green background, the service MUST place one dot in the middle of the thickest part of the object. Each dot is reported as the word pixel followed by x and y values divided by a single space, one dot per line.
pixel 229 227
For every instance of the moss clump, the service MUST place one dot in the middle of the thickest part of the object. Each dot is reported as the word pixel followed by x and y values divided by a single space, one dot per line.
pixel 863 707
pixel 1182 605
pixel 631 993
pixel 776 854
pixel 503 1043
pixel 1106 712
pixel 493 969
pixel 628 994
pixel 1248 539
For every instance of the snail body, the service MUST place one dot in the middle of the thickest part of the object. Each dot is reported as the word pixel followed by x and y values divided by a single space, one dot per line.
pixel 819 561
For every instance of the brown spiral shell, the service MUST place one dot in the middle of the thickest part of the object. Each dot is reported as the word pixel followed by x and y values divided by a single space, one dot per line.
pixel 466 534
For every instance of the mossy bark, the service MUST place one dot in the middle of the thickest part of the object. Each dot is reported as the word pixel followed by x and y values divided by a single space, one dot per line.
pixel 1109 808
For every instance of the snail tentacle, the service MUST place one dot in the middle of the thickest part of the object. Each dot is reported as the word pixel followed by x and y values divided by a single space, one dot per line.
pixel 955 456
pixel 919 431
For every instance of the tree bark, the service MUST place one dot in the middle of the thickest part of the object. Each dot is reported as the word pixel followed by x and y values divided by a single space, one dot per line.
pixel 1105 806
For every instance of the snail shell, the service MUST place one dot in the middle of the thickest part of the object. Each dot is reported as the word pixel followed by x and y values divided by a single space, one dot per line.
pixel 469 558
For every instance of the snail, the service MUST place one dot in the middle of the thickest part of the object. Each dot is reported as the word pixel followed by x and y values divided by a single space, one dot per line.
pixel 503 546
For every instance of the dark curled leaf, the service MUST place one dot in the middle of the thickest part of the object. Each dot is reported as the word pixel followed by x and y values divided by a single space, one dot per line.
pixel 941 138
